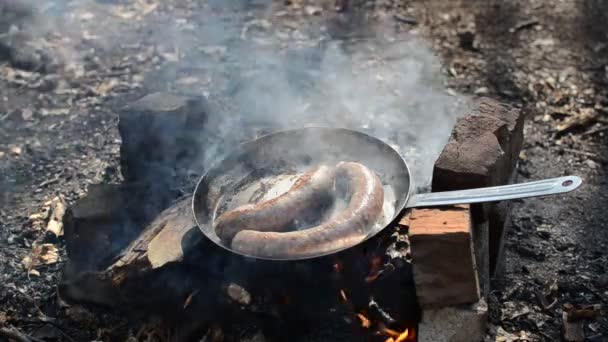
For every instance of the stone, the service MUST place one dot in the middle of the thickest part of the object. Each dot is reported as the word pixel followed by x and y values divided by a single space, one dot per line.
pixel 465 323
pixel 443 261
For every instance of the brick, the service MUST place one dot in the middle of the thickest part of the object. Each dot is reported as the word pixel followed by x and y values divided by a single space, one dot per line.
pixel 483 151
pixel 442 257
pixel 473 157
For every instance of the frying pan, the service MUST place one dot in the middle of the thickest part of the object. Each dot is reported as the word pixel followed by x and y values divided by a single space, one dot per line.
pixel 267 167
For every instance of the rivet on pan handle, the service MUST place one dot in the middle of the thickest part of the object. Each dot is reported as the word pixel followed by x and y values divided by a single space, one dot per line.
pixel 545 187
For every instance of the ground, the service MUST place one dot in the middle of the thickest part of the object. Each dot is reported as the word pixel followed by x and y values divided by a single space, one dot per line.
pixel 58 134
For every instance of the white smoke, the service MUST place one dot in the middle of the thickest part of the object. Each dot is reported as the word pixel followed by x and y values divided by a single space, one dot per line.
pixel 277 71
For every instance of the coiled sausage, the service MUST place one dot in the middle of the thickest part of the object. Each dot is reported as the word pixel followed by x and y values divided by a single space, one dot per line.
pixel 345 229
pixel 277 214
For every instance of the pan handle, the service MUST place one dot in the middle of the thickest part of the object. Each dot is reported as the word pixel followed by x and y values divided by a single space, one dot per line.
pixel 545 187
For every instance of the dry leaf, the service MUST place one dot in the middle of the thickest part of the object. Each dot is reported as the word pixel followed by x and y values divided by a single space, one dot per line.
pixel 15 150
pixel 585 117
pixel 46 254
pixel 123 13
pixel 27 114
pixel 126 13
pixel 26 262
pixel 188 80
pixel 171 56
pixel 106 87
pixel 148 8
pixel 34 273
pixel 55 111
pixel 37 217
pixel 55 227
pixel 86 35
pixel 86 16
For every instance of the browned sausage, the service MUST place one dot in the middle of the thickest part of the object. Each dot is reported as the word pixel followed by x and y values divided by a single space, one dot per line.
pixel 346 229
pixel 277 214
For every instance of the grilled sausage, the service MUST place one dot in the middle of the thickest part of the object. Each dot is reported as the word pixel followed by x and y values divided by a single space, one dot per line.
pixel 346 229
pixel 277 214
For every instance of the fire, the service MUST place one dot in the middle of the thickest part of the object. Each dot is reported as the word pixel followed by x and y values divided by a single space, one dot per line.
pixel 379 327
pixel 396 336
pixel 366 323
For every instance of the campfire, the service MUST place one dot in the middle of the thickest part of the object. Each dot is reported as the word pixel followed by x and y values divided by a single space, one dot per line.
pixel 407 283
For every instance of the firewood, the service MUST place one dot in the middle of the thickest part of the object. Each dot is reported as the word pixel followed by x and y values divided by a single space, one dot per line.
pixel 573 331
pixel 160 243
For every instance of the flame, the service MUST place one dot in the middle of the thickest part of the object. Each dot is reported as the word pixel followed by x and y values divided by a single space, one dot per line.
pixel 365 322
pixel 395 336
pixel 391 332
pixel 403 336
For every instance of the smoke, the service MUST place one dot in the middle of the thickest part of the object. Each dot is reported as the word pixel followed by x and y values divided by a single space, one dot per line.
pixel 275 70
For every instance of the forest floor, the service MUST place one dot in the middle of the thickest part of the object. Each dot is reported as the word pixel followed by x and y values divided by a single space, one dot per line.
pixel 58 134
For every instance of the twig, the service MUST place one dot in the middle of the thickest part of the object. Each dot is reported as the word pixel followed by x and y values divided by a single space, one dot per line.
pixel 49 181
pixel 597 130
pixel 18 335
pixel 405 19
pixel 5 116
pixel 587 154
pixel 524 24
pixel 46 320
pixel 597 294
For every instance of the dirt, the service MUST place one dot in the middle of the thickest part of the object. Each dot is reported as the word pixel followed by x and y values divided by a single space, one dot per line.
pixel 58 135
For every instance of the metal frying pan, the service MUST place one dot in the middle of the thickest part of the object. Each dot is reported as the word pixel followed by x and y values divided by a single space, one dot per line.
pixel 267 167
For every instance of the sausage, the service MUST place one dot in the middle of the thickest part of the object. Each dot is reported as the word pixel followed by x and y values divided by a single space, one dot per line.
pixel 311 189
pixel 345 229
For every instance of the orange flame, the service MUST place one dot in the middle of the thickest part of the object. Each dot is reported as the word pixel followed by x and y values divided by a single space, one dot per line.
pixel 366 323
pixel 391 332
pixel 396 336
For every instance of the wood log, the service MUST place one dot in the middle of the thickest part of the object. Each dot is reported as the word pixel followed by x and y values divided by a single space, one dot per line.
pixel 161 134
pixel 573 330
pixel 165 240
